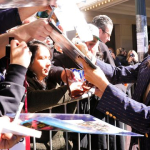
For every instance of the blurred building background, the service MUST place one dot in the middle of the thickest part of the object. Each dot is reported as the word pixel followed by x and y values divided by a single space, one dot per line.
pixel 123 15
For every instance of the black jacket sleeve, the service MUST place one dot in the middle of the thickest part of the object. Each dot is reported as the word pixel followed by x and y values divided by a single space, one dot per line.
pixel 39 100
pixel 12 89
pixel 121 74
pixel 106 54
pixel 125 109
pixel 9 18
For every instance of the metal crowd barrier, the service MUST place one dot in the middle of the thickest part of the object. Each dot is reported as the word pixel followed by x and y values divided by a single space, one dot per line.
pixel 88 95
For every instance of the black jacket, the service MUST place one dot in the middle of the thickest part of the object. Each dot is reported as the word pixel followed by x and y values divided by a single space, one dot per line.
pixel 106 56
pixel 9 18
pixel 42 97
pixel 12 89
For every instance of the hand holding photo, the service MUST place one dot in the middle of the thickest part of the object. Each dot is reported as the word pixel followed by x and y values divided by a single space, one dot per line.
pixel 17 129
pixel 79 85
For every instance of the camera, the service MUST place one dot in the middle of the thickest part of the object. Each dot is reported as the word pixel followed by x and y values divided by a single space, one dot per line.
pixel 110 51
pixel 132 55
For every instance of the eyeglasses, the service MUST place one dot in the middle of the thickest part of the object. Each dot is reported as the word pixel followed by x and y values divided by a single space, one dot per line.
pixel 106 33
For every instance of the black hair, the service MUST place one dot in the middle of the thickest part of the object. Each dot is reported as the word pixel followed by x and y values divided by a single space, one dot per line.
pixel 33 47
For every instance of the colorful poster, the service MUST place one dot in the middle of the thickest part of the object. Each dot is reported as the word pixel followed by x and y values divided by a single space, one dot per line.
pixel 80 123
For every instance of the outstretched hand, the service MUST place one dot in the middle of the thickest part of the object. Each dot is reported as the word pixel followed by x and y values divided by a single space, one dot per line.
pixel 39 29
pixel 95 76
pixel 70 75
pixel 7 140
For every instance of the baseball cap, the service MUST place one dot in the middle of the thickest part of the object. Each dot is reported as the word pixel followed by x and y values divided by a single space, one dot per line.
pixel 94 30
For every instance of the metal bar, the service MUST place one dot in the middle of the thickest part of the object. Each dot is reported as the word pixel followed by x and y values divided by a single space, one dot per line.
pixel 108 135
pixel 89 141
pixel 115 147
pixel 34 143
pixel 73 100
pixel 78 133
pixel 65 107
pixel 124 138
pixel 50 134
pixel 89 113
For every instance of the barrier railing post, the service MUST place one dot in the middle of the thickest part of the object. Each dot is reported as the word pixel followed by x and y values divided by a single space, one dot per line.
pixel 115 136
pixel 108 135
pixel 78 133
pixel 65 107
pixel 50 133
pixel 34 143
pixel 89 113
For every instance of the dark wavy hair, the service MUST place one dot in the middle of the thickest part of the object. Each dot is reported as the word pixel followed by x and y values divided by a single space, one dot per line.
pixel 33 46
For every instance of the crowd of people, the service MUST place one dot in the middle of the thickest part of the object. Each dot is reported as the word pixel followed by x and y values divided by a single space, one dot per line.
pixel 46 70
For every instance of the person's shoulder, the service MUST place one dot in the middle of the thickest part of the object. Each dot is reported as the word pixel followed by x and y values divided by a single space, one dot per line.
pixel 145 61
pixel 147 58
pixel 102 44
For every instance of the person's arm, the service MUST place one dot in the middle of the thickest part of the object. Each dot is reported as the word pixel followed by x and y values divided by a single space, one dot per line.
pixel 10 18
pixel 43 99
pixel 25 12
pixel 38 29
pixel 117 62
pixel 119 106
pixel 8 140
pixel 12 89
pixel 119 74
pixel 114 74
